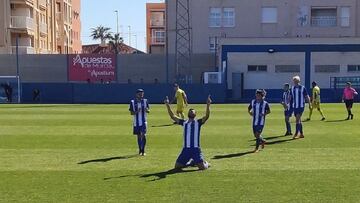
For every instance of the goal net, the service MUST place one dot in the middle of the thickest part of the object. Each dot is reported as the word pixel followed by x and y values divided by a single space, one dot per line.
pixel 10 89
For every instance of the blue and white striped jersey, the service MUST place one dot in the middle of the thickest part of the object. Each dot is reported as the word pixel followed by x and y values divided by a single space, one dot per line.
pixel 286 99
pixel 139 106
pixel 298 96
pixel 259 109
pixel 191 133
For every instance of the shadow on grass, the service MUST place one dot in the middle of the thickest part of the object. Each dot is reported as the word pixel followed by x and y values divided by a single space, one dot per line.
pixel 277 141
pixel 157 176
pixel 160 126
pixel 108 159
pixel 227 156
pixel 336 121
pixel 270 138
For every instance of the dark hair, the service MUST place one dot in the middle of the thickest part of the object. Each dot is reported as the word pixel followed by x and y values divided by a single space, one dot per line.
pixel 348 83
pixel 287 84
pixel 314 83
pixel 262 92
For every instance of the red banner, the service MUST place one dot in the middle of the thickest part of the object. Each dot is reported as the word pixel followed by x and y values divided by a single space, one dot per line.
pixel 92 67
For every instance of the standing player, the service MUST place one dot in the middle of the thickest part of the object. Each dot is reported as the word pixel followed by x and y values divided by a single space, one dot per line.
pixel 315 101
pixel 298 97
pixel 139 107
pixel 258 109
pixel 286 102
pixel 348 98
pixel 181 101
pixel 191 150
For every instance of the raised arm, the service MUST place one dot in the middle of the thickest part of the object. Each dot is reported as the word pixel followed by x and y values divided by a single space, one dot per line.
pixel 171 114
pixel 207 113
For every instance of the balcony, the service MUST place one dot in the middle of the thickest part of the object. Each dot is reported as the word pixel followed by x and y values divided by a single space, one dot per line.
pixel 157 23
pixel 158 40
pixel 22 22
pixel 324 21
pixel 42 4
pixel 28 2
pixel 43 28
pixel 23 50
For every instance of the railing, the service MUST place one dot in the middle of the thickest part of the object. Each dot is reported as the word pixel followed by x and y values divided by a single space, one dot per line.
pixel 24 50
pixel 43 28
pixel 324 21
pixel 157 23
pixel 158 40
pixel 22 22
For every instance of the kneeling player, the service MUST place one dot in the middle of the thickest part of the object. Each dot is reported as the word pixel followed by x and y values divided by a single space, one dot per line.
pixel 191 150
pixel 258 109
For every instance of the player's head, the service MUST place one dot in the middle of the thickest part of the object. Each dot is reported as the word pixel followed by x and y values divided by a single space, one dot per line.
pixel 296 80
pixel 139 93
pixel 286 86
pixel 176 86
pixel 348 84
pixel 314 84
pixel 192 113
pixel 260 94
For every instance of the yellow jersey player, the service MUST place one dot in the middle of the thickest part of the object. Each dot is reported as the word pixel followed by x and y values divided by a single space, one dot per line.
pixel 315 101
pixel 181 101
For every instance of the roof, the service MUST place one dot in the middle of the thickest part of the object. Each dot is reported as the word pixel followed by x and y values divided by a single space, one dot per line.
pixel 108 49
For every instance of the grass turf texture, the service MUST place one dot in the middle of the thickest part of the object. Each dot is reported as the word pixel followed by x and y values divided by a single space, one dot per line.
pixel 85 153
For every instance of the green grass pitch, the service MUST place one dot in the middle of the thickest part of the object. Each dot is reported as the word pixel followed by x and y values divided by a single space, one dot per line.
pixel 85 153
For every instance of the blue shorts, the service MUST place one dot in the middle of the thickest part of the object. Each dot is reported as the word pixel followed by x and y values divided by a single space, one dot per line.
pixel 288 113
pixel 258 129
pixel 139 130
pixel 298 111
pixel 190 153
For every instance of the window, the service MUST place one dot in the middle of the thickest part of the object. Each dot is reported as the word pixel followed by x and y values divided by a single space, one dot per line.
pixel 324 17
pixel 229 17
pixel 287 69
pixel 215 17
pixel 158 36
pixel 213 44
pixel 353 68
pixel 257 68
pixel 327 68
pixel 58 7
pixel 345 16
pixel 269 15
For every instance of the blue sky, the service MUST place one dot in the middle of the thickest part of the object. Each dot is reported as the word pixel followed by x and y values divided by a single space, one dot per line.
pixel 131 13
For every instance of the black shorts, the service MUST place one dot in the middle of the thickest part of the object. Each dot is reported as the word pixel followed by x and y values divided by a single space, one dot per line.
pixel 349 103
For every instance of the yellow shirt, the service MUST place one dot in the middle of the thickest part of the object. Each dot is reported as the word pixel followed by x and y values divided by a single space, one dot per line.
pixel 179 97
pixel 316 94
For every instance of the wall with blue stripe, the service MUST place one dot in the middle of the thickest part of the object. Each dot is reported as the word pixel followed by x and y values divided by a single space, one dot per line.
pixel 117 93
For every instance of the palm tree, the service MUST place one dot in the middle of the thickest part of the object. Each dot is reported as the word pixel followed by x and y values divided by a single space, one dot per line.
pixel 115 40
pixel 101 33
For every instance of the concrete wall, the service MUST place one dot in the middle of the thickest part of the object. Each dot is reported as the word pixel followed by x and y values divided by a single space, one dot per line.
pixel 248 21
pixel 238 62
pixel 53 68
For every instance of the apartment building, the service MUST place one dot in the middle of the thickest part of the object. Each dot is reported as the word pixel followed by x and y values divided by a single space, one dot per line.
pixel 212 20
pixel 155 28
pixel 39 26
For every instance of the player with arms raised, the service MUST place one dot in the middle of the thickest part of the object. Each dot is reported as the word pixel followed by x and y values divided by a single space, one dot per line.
pixel 191 150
